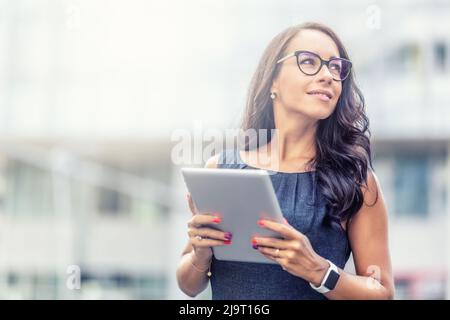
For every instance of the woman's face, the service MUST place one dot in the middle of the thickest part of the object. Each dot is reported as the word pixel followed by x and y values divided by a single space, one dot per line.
pixel 294 89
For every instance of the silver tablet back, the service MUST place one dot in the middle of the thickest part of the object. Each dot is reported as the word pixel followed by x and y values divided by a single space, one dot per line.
pixel 241 197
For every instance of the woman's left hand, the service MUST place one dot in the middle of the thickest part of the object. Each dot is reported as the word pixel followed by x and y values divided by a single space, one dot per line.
pixel 294 253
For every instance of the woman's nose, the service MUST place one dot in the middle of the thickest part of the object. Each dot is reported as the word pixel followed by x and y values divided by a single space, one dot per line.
pixel 325 74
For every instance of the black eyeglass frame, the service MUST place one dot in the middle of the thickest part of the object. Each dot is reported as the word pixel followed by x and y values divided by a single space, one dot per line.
pixel 322 62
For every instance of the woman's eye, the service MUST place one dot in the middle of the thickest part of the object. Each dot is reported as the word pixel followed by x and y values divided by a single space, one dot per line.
pixel 307 61
pixel 335 67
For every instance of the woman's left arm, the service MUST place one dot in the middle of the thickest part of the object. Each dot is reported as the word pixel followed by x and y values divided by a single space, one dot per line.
pixel 368 236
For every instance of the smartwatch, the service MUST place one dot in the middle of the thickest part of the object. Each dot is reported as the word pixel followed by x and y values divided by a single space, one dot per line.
pixel 329 281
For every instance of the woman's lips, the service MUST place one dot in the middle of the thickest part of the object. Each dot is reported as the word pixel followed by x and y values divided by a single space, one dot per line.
pixel 320 96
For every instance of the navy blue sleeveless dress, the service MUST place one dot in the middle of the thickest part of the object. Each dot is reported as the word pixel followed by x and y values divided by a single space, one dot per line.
pixel 304 209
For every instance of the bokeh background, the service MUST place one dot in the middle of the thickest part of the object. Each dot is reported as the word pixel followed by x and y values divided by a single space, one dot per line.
pixel 91 92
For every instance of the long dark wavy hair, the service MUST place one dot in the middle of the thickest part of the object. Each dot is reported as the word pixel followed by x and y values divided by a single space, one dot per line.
pixel 342 141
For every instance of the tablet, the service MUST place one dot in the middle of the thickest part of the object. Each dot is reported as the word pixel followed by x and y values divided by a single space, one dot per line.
pixel 241 197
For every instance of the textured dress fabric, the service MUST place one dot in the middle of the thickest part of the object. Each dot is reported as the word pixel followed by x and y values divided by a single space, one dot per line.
pixel 304 209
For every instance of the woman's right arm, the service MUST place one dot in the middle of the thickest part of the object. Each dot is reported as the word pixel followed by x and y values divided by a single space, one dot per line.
pixel 196 257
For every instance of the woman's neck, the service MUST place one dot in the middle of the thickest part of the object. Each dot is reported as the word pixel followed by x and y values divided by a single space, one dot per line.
pixel 294 138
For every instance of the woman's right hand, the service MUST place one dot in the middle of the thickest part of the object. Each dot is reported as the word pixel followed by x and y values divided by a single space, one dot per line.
pixel 201 236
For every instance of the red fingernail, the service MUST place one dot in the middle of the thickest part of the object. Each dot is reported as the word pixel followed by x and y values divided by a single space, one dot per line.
pixel 261 223
pixel 254 241
pixel 216 220
pixel 227 242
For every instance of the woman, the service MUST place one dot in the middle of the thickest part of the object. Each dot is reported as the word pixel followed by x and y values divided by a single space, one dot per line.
pixel 303 87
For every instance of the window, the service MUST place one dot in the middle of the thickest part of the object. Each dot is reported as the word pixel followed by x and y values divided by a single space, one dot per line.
pixel 411 185
pixel 28 190
pixel 404 59
pixel 112 202
pixel 440 56
pixel 413 179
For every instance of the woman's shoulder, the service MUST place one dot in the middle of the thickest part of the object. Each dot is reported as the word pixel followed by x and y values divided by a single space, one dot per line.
pixel 225 158
pixel 371 189
pixel 213 162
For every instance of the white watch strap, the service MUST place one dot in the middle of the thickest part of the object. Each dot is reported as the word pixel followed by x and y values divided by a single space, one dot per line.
pixel 322 288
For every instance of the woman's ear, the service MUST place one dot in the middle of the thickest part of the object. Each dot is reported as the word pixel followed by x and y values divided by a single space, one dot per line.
pixel 274 87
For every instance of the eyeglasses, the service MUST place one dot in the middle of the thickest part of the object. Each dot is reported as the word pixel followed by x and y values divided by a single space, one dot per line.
pixel 310 64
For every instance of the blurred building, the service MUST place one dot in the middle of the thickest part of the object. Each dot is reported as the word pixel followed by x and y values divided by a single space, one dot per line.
pixel 90 92
pixel 405 77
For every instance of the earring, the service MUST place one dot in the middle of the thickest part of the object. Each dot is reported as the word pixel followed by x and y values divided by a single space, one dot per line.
pixel 273 95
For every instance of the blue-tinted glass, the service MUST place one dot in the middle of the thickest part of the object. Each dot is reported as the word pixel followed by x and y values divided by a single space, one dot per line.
pixel 411 185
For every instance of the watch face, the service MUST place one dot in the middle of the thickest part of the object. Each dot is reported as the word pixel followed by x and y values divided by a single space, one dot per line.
pixel 332 279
